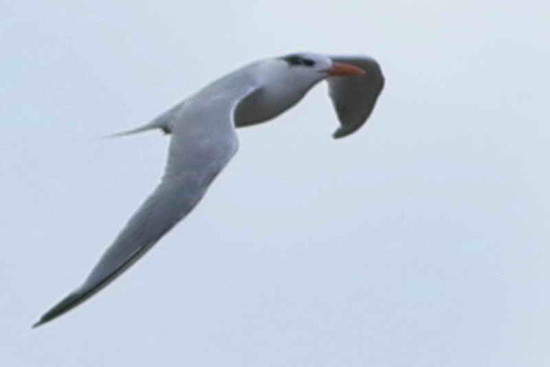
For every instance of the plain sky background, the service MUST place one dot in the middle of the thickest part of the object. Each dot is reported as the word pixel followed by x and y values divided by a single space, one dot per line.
pixel 422 240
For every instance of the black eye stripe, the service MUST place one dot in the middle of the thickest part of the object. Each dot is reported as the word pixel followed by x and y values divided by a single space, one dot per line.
pixel 294 60
pixel 298 60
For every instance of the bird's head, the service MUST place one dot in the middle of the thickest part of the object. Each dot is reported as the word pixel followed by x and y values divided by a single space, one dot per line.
pixel 315 66
pixel 284 80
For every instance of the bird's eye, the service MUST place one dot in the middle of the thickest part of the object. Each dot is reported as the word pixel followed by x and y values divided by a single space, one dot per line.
pixel 294 60
pixel 298 60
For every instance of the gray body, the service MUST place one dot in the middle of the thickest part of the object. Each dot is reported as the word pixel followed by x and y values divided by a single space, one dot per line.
pixel 204 140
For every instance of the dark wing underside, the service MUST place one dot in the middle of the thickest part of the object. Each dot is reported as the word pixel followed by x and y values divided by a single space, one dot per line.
pixel 354 96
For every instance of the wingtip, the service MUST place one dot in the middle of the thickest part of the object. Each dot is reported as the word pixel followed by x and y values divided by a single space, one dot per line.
pixel 340 133
pixel 43 320
pixel 66 304
pixel 37 324
pixel 345 130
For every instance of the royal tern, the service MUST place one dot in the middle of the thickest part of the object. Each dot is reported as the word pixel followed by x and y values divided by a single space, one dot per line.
pixel 203 140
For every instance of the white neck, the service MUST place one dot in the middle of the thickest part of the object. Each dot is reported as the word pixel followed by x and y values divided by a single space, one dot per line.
pixel 280 88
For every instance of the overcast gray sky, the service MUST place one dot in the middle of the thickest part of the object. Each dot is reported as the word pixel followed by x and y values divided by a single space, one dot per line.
pixel 422 240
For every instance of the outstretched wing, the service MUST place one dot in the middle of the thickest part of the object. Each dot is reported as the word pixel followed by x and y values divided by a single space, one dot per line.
pixel 354 96
pixel 203 142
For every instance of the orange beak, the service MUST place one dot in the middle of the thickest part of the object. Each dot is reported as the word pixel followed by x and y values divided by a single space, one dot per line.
pixel 341 69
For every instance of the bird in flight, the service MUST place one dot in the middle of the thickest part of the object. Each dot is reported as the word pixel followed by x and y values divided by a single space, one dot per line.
pixel 203 140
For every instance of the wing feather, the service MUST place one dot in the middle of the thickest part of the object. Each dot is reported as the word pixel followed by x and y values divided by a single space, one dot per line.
pixel 354 96
pixel 203 142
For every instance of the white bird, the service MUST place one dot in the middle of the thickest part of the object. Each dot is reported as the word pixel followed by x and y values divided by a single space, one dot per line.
pixel 204 140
